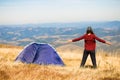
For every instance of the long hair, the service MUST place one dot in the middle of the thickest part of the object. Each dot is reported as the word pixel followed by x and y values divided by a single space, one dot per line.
pixel 89 30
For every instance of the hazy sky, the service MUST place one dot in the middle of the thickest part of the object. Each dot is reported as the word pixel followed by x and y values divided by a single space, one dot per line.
pixel 42 11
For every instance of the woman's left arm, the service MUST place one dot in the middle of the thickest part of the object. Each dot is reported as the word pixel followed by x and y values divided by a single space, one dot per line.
pixel 103 41
pixel 109 43
pixel 99 39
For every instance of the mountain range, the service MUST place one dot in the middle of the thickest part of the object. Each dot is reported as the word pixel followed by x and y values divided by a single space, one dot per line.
pixel 57 33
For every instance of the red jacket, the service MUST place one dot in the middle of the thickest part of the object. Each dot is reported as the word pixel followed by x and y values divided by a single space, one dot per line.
pixel 90 41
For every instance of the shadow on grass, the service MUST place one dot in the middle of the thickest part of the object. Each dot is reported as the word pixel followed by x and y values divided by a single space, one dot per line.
pixel 89 66
pixel 109 78
pixel 3 75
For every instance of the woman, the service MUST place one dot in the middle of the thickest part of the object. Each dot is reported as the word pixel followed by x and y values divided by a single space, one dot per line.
pixel 90 45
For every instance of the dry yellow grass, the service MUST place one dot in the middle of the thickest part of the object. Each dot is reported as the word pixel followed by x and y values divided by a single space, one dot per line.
pixel 108 67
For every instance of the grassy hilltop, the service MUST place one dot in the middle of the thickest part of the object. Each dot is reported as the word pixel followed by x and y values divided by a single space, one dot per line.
pixel 108 66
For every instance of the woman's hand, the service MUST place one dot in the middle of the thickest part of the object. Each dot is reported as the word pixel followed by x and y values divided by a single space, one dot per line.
pixel 69 41
pixel 109 43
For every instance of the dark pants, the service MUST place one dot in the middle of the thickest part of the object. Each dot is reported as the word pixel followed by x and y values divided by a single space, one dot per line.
pixel 92 55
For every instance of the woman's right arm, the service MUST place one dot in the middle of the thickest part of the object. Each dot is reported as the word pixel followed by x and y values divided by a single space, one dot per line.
pixel 79 38
pixel 76 39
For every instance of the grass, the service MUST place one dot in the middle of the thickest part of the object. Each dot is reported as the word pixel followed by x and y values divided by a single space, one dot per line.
pixel 108 67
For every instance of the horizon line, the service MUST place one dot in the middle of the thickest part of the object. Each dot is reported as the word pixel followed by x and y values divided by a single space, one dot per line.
pixel 61 22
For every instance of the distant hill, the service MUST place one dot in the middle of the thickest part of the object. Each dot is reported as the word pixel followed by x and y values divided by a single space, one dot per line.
pixel 10 46
pixel 55 33
pixel 110 24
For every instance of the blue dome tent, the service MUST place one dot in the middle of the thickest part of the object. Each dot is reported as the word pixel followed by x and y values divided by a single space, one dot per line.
pixel 40 54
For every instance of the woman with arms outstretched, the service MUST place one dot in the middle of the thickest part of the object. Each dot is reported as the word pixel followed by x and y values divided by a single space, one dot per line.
pixel 90 45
